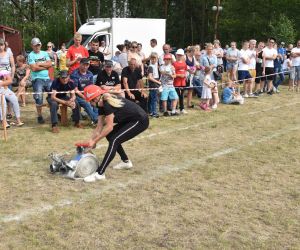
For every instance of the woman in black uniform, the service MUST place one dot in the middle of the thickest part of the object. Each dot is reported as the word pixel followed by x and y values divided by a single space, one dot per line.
pixel 119 120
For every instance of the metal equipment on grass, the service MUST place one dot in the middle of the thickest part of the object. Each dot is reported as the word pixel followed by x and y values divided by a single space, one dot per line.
pixel 83 164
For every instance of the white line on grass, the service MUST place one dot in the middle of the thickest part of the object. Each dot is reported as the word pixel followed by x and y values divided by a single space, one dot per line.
pixel 149 175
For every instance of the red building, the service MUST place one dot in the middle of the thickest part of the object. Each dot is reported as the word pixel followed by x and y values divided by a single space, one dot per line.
pixel 14 39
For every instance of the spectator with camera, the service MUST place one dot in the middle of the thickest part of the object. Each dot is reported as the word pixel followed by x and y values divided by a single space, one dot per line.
pixel 63 84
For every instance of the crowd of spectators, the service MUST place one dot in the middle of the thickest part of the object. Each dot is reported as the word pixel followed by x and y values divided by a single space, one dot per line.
pixel 162 81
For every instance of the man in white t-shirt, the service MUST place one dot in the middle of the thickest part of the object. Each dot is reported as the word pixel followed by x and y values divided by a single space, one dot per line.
pixel 154 49
pixel 166 50
pixel 295 54
pixel 252 65
pixel 269 55
pixel 243 68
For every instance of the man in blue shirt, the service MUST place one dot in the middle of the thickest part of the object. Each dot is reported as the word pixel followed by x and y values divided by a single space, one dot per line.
pixel 82 77
pixel 278 66
pixel 63 84
pixel 39 62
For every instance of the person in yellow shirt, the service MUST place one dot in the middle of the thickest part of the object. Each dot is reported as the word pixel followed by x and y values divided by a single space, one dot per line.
pixel 62 57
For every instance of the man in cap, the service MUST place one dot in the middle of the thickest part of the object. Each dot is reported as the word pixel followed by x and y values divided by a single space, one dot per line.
pixel 39 62
pixel 108 78
pixel 59 85
pixel 82 77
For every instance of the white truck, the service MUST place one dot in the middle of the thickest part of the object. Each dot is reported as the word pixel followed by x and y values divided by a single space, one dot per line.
pixel 115 31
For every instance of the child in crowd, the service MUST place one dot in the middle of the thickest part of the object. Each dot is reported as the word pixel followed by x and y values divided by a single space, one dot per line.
pixel 288 66
pixel 62 57
pixel 167 78
pixel 23 78
pixel 153 78
pixel 208 84
pixel 180 80
pixel 230 96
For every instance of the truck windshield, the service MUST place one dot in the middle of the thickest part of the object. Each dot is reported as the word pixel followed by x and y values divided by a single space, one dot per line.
pixel 85 39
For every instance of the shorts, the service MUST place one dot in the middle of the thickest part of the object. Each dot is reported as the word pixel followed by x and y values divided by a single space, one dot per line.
pixel 296 70
pixel 168 92
pixel 243 74
pixel 231 66
pixel 292 73
pixel 259 77
pixel 189 81
pixel 39 86
pixel 252 73
pixel 269 74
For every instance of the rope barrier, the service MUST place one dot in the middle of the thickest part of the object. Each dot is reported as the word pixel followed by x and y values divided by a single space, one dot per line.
pixel 141 89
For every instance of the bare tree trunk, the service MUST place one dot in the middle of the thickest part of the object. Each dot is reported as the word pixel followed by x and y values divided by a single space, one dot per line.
pixel 126 10
pixel 166 9
pixel 77 14
pixel 98 9
pixel 203 20
pixel 32 15
pixel 87 10
pixel 114 8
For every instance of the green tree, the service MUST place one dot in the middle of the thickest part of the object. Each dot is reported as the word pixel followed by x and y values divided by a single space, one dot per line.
pixel 282 29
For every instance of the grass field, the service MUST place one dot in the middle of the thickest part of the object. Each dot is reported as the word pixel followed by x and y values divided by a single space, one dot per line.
pixel 229 179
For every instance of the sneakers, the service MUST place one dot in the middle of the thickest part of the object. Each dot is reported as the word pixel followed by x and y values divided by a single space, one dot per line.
pixel 246 96
pixel 174 114
pixel 94 177
pixel 166 113
pixel 78 125
pixel 40 120
pixel 203 105
pixel 123 165
pixel 94 123
pixel 55 129
pixel 20 124
pixel 270 93
pixel 252 95
pixel 154 115
pixel 183 112
pixel 215 106
pixel 7 125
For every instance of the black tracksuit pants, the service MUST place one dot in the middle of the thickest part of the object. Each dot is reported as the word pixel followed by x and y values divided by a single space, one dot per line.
pixel 120 134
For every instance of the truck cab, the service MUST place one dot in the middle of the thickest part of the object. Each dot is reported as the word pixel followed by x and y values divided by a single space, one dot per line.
pixel 98 29
pixel 115 31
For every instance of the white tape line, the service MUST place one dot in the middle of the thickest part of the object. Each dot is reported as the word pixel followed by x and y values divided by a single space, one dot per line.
pixel 148 176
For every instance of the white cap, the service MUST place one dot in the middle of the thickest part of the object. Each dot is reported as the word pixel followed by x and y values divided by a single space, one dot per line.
pixel 180 52
pixel 35 41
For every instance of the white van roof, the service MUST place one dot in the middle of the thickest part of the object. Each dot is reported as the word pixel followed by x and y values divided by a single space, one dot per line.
pixel 95 25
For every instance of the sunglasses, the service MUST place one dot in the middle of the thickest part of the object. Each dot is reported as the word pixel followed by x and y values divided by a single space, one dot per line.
pixel 134 47
pixel 49 46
